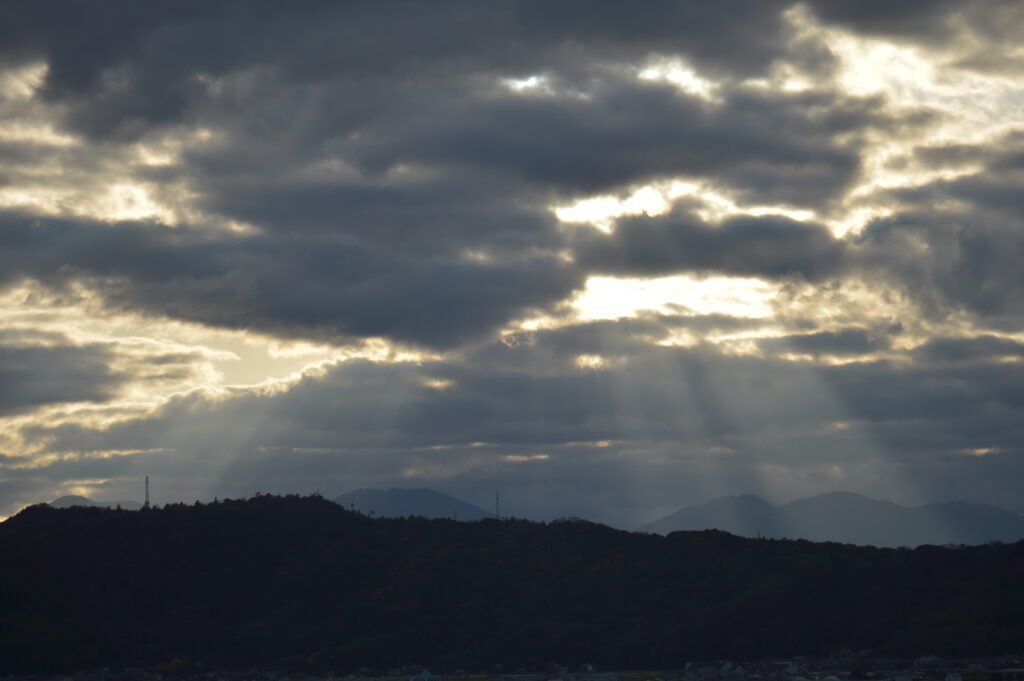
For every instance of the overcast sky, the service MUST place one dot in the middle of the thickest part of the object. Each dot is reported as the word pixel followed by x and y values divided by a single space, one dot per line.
pixel 608 259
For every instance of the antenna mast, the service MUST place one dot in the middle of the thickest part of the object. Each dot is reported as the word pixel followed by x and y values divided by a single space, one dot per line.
pixel 497 506
pixel 146 505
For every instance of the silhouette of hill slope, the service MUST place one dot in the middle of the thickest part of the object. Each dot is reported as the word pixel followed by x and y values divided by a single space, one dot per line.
pixel 303 582
pixel 849 518
pixel 75 500
pixel 400 503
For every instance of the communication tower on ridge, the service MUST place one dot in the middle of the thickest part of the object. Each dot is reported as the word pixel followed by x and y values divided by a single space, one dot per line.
pixel 497 506
pixel 146 505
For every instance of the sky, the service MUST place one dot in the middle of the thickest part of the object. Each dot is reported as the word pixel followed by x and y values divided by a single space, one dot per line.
pixel 608 259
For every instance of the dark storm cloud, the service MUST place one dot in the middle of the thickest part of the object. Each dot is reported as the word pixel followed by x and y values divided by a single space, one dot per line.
pixel 401 191
pixel 33 375
pixel 769 246
pixel 423 89
pixel 969 349
pixel 325 290
pixel 853 341
pixel 920 19
pixel 342 259
pixel 441 217
pixel 767 146
pixel 494 163
pixel 128 66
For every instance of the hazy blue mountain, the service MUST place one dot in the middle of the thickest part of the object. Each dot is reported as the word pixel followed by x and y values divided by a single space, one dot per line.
pixel 745 515
pixel 397 503
pixel 965 523
pixel 74 500
pixel 853 519
pixel 850 518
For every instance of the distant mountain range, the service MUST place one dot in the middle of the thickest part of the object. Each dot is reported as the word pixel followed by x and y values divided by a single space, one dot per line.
pixel 398 503
pixel 74 500
pixel 849 518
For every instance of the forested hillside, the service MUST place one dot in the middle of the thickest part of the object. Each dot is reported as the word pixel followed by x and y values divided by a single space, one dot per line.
pixel 302 581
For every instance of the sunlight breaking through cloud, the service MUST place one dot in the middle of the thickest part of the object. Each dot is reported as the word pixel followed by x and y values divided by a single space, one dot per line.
pixel 613 266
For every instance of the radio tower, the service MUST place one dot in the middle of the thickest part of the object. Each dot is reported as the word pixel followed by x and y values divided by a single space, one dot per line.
pixel 146 505
pixel 497 506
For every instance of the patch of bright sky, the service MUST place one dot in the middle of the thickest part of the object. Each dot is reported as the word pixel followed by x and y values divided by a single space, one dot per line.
pixel 601 211
pixel 909 76
pixel 536 83
pixel 613 298
pixel 976 107
pixel 32 132
pixel 22 82
pixel 541 85
pixel 523 458
pixel 680 74
pixel 657 199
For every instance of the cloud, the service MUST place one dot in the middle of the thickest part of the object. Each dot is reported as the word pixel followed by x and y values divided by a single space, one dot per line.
pixel 414 208
pixel 794 148
pixel 690 411
pixel 953 244
pixel 386 173
pixel 46 368
pixel 34 374
pixel 921 20
pixel 308 289
pixel 853 341
pixel 769 246
pixel 969 349
pixel 138 68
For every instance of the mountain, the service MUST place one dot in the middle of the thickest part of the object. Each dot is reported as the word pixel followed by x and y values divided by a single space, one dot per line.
pixel 745 515
pixel 849 518
pixel 400 503
pixel 74 500
pixel 303 585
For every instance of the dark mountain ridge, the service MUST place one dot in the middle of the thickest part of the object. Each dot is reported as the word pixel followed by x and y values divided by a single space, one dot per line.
pixel 849 518
pixel 304 582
